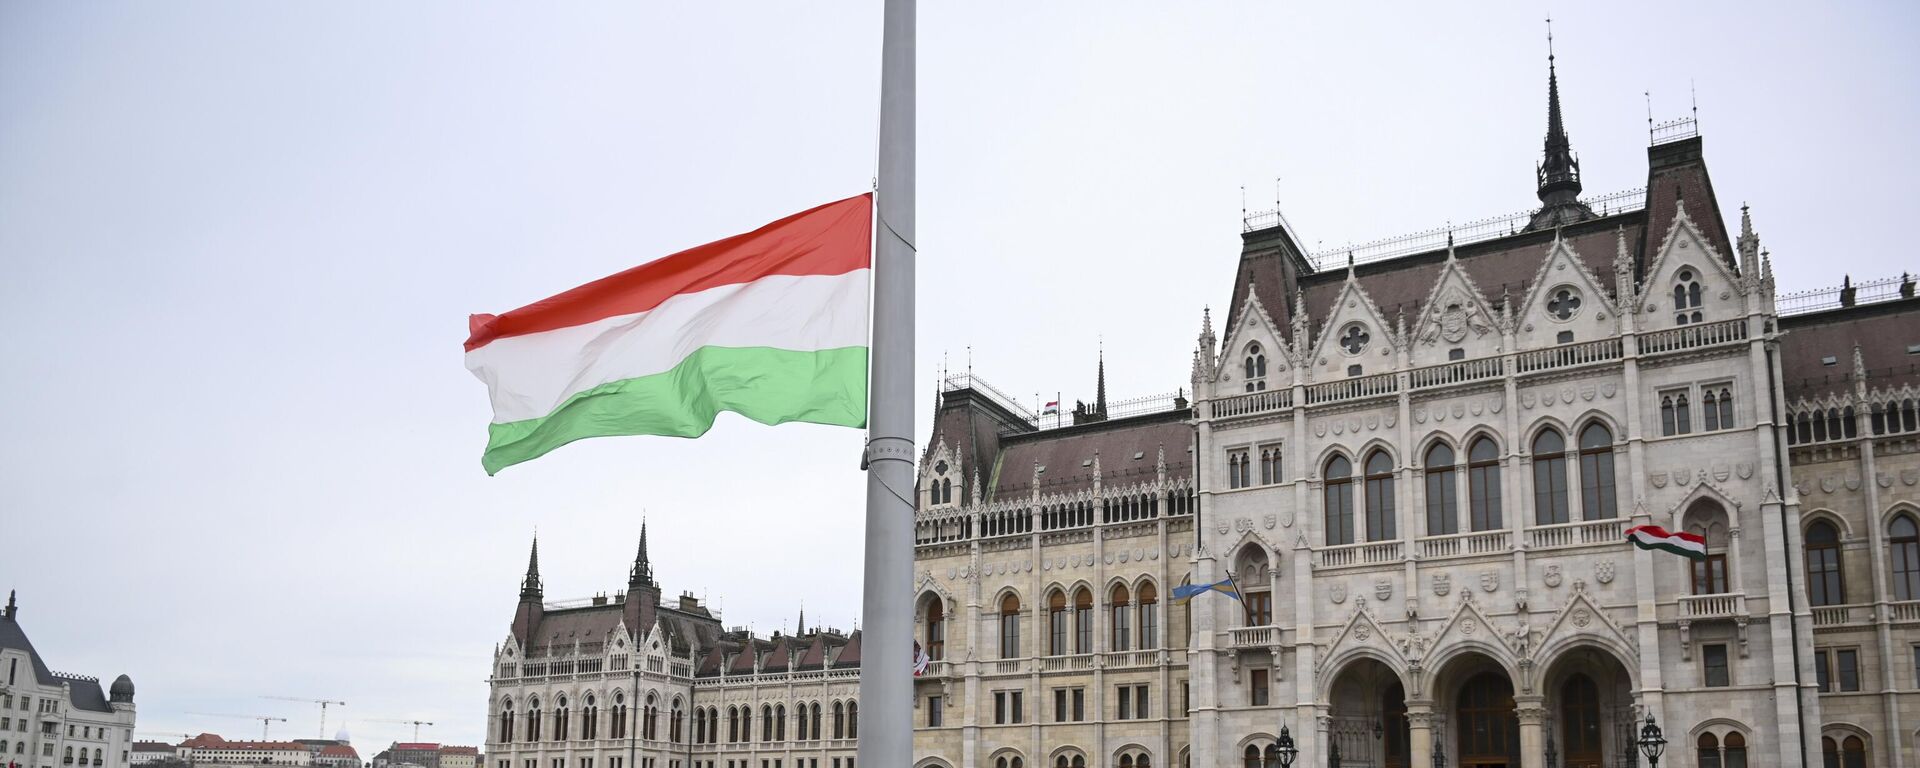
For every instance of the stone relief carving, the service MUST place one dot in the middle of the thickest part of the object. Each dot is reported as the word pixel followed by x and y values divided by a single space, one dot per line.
pixel 1552 577
pixel 1603 572
pixel 1382 588
pixel 1337 591
pixel 1442 584
pixel 1490 580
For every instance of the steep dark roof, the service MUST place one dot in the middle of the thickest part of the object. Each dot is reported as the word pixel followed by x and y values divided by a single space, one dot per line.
pixel 849 656
pixel 85 692
pixel 1882 329
pixel 1067 454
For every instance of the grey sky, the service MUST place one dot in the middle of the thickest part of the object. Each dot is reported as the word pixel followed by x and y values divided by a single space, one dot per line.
pixel 240 242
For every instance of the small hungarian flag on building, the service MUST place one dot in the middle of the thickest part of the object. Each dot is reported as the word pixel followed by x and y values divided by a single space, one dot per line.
pixel 921 661
pixel 1223 586
pixel 771 325
pixel 1688 545
pixel 1051 408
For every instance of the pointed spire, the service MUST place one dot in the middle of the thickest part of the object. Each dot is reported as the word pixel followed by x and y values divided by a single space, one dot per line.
pixel 1846 291
pixel 1558 174
pixel 530 586
pixel 642 573
pixel 1100 396
pixel 1748 245
pixel 800 626
pixel 13 608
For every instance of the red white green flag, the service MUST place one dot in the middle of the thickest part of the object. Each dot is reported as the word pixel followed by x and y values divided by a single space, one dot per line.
pixel 771 324
pixel 1689 545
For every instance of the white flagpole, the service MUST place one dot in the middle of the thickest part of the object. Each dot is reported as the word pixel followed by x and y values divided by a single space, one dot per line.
pixel 886 651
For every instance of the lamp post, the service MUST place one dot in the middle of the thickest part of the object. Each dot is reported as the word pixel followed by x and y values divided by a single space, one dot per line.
pixel 1652 744
pixel 1439 752
pixel 1284 745
pixel 1333 751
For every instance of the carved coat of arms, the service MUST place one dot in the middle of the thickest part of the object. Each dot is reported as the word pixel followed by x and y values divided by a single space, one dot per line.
pixel 1442 584
pixel 1489 580
pixel 1338 591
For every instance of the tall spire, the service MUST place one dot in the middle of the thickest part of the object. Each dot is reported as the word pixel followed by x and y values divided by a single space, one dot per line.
pixel 1558 174
pixel 642 573
pixel 530 586
pixel 1100 387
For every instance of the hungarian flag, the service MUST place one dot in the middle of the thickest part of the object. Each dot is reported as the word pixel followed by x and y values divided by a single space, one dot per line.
pixel 771 324
pixel 1052 407
pixel 1689 545
pixel 920 659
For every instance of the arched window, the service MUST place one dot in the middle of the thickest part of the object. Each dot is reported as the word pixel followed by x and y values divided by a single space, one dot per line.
pixel 1580 727
pixel 673 726
pixel 1598 501
pixel 560 718
pixel 1709 520
pixel 1853 753
pixel 1903 541
pixel 1668 424
pixel 1716 408
pixel 780 722
pixel 853 719
pixel 506 720
pixel 1339 501
pixel 1709 751
pixel 1380 509
pixel 533 720
pixel 1734 751
pixel 1057 624
pixel 699 725
pixel 1443 498
pixel 936 629
pixel 1256 368
pixel 1686 298
pixel 946 491
pixel 1269 466
pixel 1010 626
pixel 1483 484
pixel 1487 729
pixel 649 718
pixel 1082 621
pixel 1252 757
pixel 839 721
pixel 589 719
pixel 1149 616
pixel 1550 478
pixel 1825 586
pixel 813 719
pixel 1117 616
pixel 619 715
pixel 1829 753
pixel 1126 761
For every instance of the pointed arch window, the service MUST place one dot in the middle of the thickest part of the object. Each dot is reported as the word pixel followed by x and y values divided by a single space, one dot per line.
pixel 619 715
pixel 1082 621
pixel 1686 298
pixel 1010 626
pixel 1825 585
pixel 1057 624
pixel 673 726
pixel 1598 498
pixel 839 721
pixel 1903 543
pixel 1118 613
pixel 1550 478
pixel 560 718
pixel 1256 368
pixel 1380 507
pixel 1148 600
pixel 589 719
pixel 1338 501
pixel 1443 498
pixel 1270 465
pixel 1483 484
pixel 649 718
pixel 853 719
pixel 533 720
pixel 936 629
pixel 506 721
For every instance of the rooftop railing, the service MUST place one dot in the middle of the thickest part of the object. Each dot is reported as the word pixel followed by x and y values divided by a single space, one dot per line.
pixel 1672 131
pixel 1435 239
pixel 1834 297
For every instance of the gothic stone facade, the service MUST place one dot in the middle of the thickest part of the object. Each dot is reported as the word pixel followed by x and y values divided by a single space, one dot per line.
pixel 1418 472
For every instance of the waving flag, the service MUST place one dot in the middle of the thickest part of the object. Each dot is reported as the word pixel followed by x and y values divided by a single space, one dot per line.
pixel 771 324
pixel 1688 545
pixel 1051 408
pixel 920 659
pixel 1223 586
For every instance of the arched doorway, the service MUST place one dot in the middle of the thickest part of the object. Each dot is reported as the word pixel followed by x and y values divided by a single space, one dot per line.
pixel 1487 731
pixel 1368 715
pixel 1590 707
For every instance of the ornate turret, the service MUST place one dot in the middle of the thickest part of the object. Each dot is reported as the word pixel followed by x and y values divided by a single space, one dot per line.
pixel 642 573
pixel 1558 174
pixel 1088 414
pixel 527 615
pixel 643 594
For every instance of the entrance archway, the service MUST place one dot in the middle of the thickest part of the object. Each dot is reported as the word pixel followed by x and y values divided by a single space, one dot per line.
pixel 1368 715
pixel 1477 719
pixel 1590 707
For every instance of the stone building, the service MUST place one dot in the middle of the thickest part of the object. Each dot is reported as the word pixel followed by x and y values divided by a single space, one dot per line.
pixel 1416 462
pixel 49 718
pixel 628 681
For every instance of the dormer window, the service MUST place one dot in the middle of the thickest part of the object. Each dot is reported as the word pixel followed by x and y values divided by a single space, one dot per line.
pixel 1256 366
pixel 1686 298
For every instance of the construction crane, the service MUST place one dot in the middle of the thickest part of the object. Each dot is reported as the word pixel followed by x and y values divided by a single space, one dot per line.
pixel 266 721
pixel 415 723
pixel 323 708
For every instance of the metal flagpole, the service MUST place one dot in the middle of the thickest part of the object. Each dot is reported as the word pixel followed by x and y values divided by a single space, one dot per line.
pixel 886 653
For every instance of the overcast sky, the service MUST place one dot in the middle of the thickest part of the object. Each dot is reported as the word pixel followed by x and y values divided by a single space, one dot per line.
pixel 241 241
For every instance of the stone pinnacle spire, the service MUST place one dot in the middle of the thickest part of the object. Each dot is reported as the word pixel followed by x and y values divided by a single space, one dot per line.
pixel 530 586
pixel 1558 174
pixel 642 572
pixel 1100 386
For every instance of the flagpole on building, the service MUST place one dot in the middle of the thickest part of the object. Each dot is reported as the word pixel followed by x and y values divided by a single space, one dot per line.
pixel 886 663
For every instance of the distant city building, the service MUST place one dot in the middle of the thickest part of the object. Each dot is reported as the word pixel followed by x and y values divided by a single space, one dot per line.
pixel 208 748
pixel 146 752
pixel 56 720
pixel 459 757
pixel 337 756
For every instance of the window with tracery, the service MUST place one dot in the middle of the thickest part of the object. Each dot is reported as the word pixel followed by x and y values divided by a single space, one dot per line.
pixel 1354 338
pixel 1550 478
pixel 1598 499
pixel 1483 484
pixel 1256 368
pixel 1338 501
pixel 1380 508
pixel 1686 298
pixel 1563 304
pixel 1443 500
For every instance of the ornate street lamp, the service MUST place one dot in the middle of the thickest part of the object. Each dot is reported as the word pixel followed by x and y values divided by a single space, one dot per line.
pixel 1553 755
pixel 1439 753
pixel 1333 751
pixel 1285 746
pixel 1652 744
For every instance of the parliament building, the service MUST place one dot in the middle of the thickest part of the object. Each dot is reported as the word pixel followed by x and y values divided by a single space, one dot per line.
pixel 1414 463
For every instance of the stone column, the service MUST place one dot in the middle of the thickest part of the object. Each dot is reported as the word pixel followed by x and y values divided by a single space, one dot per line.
pixel 1420 734
pixel 1533 717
